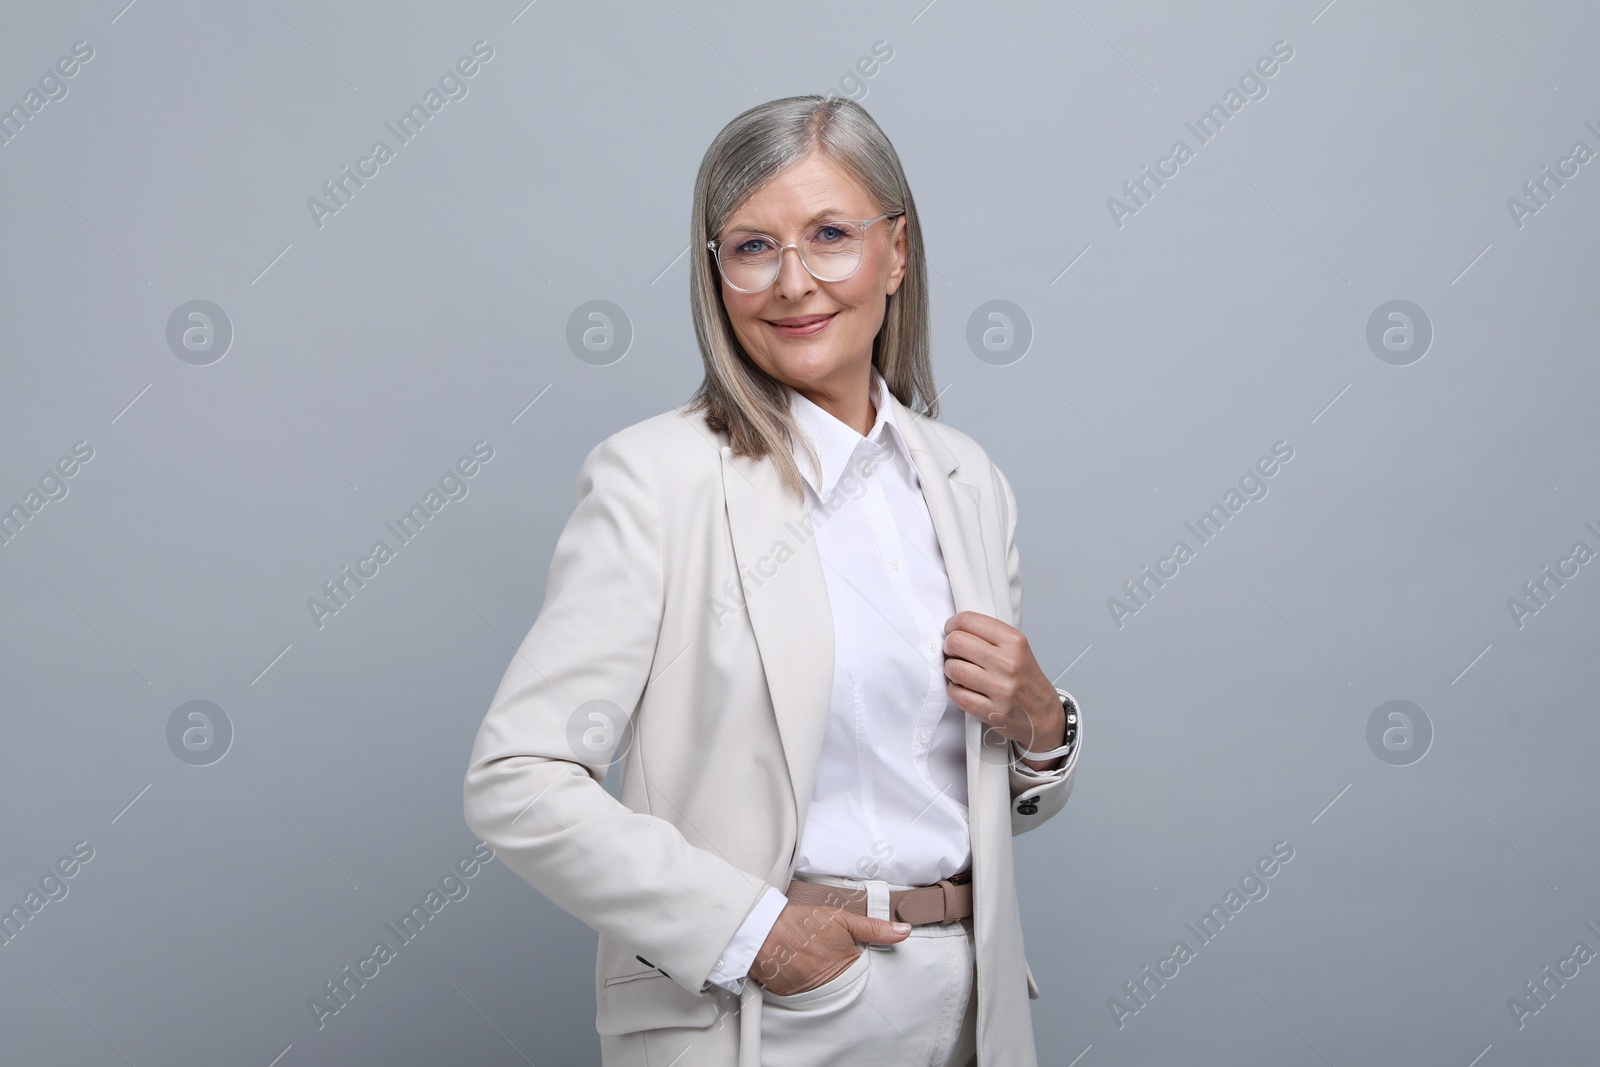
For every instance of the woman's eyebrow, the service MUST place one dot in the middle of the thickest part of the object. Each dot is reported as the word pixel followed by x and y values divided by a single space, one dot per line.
pixel 825 213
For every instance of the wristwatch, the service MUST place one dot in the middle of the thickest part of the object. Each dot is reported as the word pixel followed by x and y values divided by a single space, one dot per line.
pixel 1070 706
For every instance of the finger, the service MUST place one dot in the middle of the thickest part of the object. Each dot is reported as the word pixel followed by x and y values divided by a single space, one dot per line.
pixel 968 675
pixel 877 931
pixel 963 644
pixel 976 704
pixel 987 627
pixel 998 684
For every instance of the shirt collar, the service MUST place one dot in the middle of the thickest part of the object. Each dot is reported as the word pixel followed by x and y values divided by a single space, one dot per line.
pixel 835 442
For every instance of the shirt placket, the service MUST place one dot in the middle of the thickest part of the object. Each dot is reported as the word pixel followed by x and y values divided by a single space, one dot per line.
pixel 897 566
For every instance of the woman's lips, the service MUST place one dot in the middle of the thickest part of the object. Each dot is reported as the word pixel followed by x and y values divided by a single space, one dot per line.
pixel 801 325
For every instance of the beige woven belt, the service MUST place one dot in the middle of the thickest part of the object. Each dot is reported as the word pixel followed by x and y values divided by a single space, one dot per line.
pixel 946 900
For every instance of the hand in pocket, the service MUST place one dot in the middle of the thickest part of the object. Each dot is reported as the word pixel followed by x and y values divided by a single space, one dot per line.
pixel 810 945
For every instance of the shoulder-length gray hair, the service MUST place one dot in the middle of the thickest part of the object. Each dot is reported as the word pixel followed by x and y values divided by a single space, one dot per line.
pixel 737 396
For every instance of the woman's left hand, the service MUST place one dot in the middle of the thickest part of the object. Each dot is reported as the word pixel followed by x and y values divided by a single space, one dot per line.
pixel 993 675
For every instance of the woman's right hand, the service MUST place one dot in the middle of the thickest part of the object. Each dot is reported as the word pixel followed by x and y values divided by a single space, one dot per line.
pixel 811 944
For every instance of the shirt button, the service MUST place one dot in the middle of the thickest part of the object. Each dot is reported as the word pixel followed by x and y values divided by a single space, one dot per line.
pixel 718 966
pixel 923 737
pixel 894 563
pixel 933 646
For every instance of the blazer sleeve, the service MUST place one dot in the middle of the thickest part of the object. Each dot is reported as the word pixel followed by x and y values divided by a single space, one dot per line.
pixel 1044 796
pixel 534 786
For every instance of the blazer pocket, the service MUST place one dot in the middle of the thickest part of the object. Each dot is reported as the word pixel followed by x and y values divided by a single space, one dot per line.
pixel 648 1000
pixel 1033 987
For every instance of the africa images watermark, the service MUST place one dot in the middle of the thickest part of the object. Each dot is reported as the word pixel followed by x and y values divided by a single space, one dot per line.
pixel 1252 886
pixel 52 87
pixel 1542 587
pixel 1252 86
pixel 852 83
pixel 452 86
pixel 1542 990
pixel 342 989
pixel 52 888
pixel 52 486
pixel 1252 486
pixel 452 486
pixel 1541 190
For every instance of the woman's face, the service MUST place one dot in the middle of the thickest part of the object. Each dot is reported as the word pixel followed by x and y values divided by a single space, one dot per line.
pixel 815 336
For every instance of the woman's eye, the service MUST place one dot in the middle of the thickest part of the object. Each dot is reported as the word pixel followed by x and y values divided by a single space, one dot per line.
pixel 750 246
pixel 831 234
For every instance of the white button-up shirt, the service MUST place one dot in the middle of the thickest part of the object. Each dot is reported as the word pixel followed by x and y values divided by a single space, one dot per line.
pixel 890 799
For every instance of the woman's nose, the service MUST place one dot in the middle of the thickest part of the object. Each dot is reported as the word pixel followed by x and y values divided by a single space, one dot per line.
pixel 794 280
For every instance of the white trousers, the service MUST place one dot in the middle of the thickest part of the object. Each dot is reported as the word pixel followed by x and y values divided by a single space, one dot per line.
pixel 910 1004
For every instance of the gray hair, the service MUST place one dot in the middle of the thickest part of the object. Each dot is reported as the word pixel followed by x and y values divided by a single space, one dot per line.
pixel 737 396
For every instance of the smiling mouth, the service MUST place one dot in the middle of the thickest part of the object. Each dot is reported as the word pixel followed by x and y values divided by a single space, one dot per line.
pixel 801 325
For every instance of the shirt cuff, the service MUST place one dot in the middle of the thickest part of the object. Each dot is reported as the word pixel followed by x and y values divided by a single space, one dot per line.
pixel 734 965
pixel 1033 772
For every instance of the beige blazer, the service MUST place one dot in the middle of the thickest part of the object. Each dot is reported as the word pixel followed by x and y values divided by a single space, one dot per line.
pixel 686 631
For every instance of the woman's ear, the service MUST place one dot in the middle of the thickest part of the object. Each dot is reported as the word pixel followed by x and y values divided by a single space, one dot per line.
pixel 898 254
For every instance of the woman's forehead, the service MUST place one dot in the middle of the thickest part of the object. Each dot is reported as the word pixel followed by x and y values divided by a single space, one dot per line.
pixel 812 189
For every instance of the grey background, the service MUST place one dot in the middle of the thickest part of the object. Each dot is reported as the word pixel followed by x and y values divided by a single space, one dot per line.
pixel 369 354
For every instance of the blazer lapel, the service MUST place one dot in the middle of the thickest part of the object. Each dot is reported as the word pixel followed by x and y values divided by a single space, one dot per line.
pixel 953 505
pixel 953 496
pixel 786 597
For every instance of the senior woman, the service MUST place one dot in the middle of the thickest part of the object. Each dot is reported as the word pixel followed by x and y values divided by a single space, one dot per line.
pixel 789 609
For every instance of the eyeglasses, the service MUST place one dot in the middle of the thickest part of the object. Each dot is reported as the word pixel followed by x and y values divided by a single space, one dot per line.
pixel 830 251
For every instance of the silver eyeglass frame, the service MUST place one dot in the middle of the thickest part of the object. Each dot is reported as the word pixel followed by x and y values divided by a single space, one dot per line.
pixel 865 224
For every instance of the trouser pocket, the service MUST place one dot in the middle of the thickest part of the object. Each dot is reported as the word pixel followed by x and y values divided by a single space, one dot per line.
pixel 835 987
